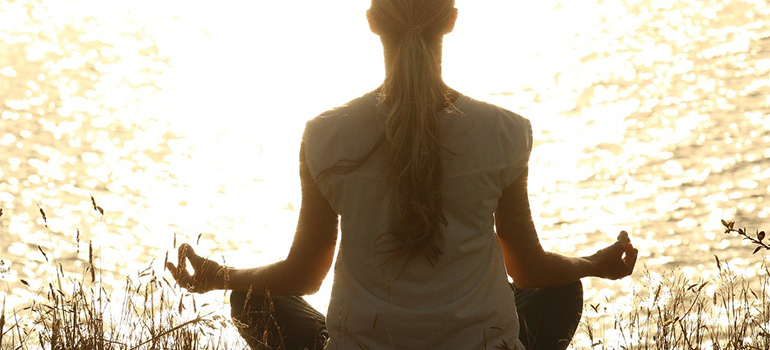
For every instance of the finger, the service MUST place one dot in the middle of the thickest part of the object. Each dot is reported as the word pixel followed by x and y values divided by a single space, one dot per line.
pixel 181 277
pixel 195 260
pixel 177 272
pixel 623 237
pixel 182 255
pixel 171 268
pixel 617 248
pixel 187 251
pixel 630 259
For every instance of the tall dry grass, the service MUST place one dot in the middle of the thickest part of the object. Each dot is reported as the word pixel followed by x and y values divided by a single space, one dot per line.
pixel 673 312
pixel 148 312
pixel 666 312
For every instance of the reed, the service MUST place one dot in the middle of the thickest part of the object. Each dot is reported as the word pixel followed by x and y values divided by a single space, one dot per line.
pixel 727 312
pixel 668 312
pixel 149 312
pixel 673 312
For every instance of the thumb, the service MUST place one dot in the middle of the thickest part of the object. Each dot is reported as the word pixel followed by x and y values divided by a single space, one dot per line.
pixel 618 248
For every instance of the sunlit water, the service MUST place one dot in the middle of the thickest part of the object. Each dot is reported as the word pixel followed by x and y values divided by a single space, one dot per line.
pixel 185 117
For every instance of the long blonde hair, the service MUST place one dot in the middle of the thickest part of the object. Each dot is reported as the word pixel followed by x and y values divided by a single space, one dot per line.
pixel 411 32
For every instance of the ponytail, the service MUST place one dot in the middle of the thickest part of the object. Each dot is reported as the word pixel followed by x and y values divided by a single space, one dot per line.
pixel 416 94
pixel 411 32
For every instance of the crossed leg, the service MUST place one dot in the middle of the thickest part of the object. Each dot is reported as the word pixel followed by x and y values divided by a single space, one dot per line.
pixel 548 318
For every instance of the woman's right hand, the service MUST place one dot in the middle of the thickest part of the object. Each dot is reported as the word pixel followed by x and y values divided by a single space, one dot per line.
pixel 208 276
pixel 617 260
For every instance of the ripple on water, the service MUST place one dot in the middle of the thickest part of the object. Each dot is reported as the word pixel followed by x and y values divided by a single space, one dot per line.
pixel 653 118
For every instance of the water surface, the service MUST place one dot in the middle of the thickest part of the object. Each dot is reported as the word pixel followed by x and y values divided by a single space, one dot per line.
pixel 185 117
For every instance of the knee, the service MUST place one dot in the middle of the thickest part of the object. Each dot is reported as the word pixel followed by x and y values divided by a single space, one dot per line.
pixel 573 293
pixel 237 297
pixel 575 289
pixel 243 304
pixel 237 304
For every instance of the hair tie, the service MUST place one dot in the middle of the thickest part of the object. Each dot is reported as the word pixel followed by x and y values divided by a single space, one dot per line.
pixel 413 29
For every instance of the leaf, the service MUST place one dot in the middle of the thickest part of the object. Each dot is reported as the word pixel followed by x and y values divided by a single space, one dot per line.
pixel 25 283
pixel 756 250
pixel 42 252
pixel 741 231
pixel 761 235
pixel 198 241
pixel 731 224
pixel 91 261
pixel 101 211
pixel 43 214
pixel 719 265
pixel 2 311
pixel 724 223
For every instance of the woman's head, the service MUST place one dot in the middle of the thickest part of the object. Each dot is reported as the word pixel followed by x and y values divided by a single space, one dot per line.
pixel 395 19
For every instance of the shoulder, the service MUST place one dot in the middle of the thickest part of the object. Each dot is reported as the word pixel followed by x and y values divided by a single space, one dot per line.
pixel 504 136
pixel 341 132
pixel 349 112
pixel 494 116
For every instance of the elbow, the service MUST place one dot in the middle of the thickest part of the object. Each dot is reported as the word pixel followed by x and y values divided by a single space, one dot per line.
pixel 308 283
pixel 311 287
pixel 525 282
pixel 527 278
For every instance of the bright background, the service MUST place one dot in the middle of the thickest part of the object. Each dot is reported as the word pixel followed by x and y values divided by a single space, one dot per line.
pixel 185 117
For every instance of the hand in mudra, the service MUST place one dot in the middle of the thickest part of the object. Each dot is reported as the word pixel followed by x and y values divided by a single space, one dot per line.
pixel 209 275
pixel 617 260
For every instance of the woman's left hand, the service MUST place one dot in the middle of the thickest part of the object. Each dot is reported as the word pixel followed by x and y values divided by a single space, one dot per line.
pixel 615 261
pixel 209 275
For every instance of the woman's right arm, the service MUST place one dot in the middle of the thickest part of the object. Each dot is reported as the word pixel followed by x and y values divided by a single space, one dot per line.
pixel 530 266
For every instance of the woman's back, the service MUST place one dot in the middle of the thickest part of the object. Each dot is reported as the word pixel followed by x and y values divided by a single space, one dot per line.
pixel 434 210
pixel 461 301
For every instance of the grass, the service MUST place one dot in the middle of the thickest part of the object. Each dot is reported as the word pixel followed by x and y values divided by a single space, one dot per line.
pixel 666 312
pixel 672 312
pixel 149 314
pixel 727 311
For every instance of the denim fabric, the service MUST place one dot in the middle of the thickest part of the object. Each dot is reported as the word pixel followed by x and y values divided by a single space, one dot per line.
pixel 548 319
pixel 279 322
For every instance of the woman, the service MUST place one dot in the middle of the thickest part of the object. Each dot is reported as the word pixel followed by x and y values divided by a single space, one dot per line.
pixel 431 189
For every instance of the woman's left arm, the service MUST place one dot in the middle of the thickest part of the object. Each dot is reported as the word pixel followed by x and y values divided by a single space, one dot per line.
pixel 301 273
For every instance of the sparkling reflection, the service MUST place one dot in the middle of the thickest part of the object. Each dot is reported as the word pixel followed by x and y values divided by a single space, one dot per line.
pixel 650 116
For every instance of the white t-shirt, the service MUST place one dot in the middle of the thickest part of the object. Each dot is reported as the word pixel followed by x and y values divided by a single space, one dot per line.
pixel 464 301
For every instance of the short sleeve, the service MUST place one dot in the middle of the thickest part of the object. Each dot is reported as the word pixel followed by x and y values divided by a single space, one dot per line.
pixel 517 146
pixel 310 148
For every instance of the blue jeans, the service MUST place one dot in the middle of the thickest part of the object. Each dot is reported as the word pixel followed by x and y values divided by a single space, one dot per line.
pixel 548 318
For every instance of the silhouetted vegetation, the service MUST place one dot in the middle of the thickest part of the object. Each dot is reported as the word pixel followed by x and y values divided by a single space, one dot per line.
pixel 757 239
pixel 666 312
pixel 148 313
